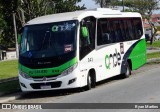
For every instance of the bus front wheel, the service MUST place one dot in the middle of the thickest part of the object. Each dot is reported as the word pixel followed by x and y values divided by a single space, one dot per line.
pixel 91 81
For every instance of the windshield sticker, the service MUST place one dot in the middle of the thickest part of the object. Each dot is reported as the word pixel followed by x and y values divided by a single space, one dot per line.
pixel 29 54
pixel 65 27
pixel 68 48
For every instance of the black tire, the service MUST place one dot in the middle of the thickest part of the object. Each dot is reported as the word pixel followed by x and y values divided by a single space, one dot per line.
pixel 128 71
pixel 89 82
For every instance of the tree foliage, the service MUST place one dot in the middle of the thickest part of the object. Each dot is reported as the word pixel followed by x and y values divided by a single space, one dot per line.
pixel 107 3
pixel 7 7
pixel 145 7
pixel 26 10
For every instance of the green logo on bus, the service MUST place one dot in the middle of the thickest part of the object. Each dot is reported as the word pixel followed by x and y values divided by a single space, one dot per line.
pixel 55 28
pixel 107 62
pixel 113 60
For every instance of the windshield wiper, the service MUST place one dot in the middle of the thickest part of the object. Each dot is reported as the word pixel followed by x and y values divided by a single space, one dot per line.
pixel 44 39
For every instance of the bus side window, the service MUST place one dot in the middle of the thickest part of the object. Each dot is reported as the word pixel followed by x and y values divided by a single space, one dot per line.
pixel 99 34
pixel 138 30
pixel 121 25
pixel 103 32
pixel 130 29
pixel 114 31
pixel 126 30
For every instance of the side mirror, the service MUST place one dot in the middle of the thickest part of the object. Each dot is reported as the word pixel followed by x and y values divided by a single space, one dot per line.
pixel 20 35
pixel 85 32
pixel 19 38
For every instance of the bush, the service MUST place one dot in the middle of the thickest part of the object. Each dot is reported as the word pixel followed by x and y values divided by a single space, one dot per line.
pixel 158 28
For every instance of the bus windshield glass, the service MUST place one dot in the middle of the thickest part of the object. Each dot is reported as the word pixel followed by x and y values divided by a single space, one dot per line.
pixel 48 40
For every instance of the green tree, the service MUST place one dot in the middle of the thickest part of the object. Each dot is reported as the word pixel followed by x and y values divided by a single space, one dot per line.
pixel 108 3
pixel 2 27
pixel 7 7
pixel 36 8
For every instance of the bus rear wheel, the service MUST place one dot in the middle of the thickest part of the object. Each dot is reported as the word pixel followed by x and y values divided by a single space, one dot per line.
pixel 128 71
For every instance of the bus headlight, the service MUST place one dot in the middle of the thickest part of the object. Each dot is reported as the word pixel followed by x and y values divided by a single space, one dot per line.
pixel 24 75
pixel 69 70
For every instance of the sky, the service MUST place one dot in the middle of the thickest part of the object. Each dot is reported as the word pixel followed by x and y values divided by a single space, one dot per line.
pixel 90 4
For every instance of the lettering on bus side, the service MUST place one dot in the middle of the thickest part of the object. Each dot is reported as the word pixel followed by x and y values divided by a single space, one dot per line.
pixel 113 60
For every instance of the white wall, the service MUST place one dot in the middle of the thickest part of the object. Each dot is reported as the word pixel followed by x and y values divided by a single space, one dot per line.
pixel 11 55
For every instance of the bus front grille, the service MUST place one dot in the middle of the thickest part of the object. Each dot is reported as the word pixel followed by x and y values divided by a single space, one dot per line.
pixel 52 84
pixel 46 78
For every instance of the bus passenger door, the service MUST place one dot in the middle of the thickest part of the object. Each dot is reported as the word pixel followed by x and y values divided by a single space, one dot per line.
pixel 87 44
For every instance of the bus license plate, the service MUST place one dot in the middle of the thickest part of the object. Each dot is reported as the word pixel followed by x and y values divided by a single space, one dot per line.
pixel 46 87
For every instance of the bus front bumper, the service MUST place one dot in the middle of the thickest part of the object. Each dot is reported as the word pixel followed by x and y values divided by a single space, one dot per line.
pixel 65 82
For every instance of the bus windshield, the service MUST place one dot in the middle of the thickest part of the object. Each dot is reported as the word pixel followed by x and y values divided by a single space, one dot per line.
pixel 48 40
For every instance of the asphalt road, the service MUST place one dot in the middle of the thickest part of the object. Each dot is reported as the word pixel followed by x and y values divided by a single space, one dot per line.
pixel 142 87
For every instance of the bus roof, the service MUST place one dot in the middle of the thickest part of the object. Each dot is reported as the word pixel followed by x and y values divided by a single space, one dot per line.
pixel 79 15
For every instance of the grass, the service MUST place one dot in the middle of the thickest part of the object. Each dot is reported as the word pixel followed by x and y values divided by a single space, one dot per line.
pixel 155 44
pixel 8 69
pixel 9 87
pixel 153 55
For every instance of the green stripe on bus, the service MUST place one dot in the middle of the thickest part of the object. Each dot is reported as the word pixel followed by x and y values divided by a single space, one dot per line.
pixel 47 71
pixel 138 55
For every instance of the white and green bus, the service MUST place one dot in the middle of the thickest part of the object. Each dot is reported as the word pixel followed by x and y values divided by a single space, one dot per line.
pixel 78 49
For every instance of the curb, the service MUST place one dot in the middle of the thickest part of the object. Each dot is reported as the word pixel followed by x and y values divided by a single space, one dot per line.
pixel 8 80
pixel 153 60
pixel 10 97
pixel 153 48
